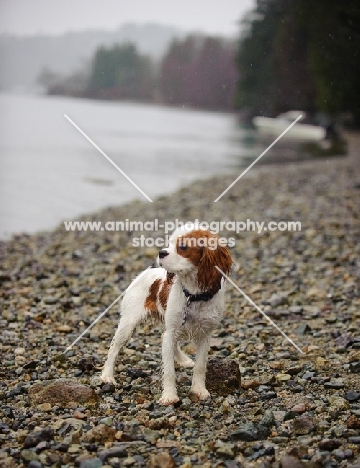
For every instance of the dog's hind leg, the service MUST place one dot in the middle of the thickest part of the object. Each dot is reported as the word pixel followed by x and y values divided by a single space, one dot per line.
pixel 128 322
pixel 182 359
pixel 139 302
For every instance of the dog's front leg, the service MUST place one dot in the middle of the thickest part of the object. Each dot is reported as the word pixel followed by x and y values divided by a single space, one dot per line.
pixel 198 382
pixel 169 394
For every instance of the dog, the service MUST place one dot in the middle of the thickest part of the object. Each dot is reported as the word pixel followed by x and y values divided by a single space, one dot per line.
pixel 186 292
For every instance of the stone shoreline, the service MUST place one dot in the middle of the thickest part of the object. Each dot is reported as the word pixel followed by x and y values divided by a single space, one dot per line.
pixel 303 410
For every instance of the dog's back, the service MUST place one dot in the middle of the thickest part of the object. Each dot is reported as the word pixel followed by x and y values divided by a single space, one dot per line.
pixel 147 296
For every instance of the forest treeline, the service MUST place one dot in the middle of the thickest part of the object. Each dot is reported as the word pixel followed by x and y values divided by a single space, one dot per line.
pixel 292 54
pixel 196 71
pixel 301 54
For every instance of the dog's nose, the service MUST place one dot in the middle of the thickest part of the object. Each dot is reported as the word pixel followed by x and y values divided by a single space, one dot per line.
pixel 163 253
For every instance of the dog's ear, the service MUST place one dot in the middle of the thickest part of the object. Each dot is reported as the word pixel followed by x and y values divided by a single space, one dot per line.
pixel 209 277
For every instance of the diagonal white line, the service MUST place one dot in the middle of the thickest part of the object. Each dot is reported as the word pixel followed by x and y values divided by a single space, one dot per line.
pixel 107 157
pixel 259 157
pixel 93 323
pixel 105 311
pixel 261 312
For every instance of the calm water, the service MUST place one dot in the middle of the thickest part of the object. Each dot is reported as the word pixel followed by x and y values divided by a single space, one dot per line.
pixel 49 172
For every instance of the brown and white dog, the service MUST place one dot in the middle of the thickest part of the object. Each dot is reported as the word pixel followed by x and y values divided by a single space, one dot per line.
pixel 187 293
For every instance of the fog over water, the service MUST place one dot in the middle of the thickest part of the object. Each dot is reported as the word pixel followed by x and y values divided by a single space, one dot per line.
pixel 49 172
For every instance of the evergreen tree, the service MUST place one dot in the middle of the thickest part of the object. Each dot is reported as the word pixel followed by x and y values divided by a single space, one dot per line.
pixel 199 72
pixel 301 54
pixel 120 72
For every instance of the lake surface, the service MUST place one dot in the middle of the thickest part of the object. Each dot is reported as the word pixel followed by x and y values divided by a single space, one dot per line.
pixel 49 172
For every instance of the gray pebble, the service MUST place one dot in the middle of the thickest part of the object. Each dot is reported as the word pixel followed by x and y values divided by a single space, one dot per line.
pixel 35 464
pixel 354 440
pixel 91 463
pixel 352 396
pixel 250 432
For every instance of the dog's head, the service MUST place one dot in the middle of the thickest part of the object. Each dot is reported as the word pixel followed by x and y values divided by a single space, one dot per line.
pixel 196 250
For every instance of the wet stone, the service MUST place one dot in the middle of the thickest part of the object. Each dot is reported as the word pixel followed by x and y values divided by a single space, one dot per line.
pixel 308 375
pixel 31 365
pixel 268 420
pixel 112 452
pixel 294 370
pixel 87 364
pixel 355 367
pixel 35 464
pixel 303 425
pixel 338 403
pixel 302 329
pixel 339 454
pixel 268 396
pixel 33 439
pixel 283 377
pixel 299 408
pixel 92 463
pixel 42 446
pixel 288 461
pixel 222 376
pixel 344 341
pixel 51 300
pixel 101 434
pixel 353 422
pixel 280 440
pixel 108 388
pixel 354 440
pixel 250 432
pixel 233 464
pixel 337 385
pixel 162 460
pixel 28 455
pixel 156 414
pixel 329 444
pixel 9 413
pixel 107 421
pixel 62 392
pixel 136 373
pixel 352 396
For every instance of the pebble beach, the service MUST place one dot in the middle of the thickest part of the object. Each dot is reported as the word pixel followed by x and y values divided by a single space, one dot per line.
pixel 280 409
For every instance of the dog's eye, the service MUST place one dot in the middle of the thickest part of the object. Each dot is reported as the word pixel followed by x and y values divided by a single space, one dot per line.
pixel 183 246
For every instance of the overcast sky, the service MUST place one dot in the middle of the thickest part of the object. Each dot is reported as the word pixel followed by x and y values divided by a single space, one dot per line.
pixel 25 17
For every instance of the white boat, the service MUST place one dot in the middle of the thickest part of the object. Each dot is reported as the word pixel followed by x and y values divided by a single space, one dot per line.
pixel 299 131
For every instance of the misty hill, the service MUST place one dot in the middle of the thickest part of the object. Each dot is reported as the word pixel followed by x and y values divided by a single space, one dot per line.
pixel 23 58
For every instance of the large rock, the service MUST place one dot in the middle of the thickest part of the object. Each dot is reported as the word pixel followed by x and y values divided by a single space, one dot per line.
pixel 61 392
pixel 222 376
pixel 100 434
pixel 161 460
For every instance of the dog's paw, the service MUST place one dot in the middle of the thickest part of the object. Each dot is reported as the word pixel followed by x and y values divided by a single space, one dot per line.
pixel 186 363
pixel 168 399
pixel 107 378
pixel 200 392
